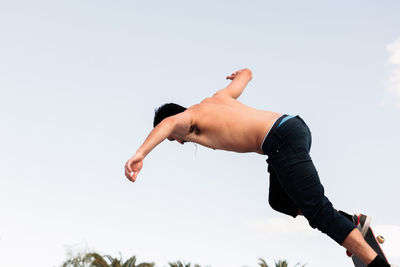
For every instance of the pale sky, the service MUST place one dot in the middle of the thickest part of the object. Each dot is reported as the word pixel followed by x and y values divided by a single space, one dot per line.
pixel 79 82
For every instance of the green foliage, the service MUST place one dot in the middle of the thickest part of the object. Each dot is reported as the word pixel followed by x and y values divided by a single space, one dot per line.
pixel 78 260
pixel 181 264
pixel 279 263
pixel 262 263
pixel 96 260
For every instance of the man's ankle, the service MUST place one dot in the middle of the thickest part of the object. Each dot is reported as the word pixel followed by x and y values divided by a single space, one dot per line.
pixel 378 262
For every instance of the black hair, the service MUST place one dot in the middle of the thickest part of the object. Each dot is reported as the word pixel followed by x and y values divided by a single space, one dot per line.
pixel 165 111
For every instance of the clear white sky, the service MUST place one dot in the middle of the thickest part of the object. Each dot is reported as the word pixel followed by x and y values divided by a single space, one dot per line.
pixel 79 82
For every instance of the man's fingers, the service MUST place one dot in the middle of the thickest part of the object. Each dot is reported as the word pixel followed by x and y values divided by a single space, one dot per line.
pixel 134 176
pixel 131 175
pixel 132 168
pixel 232 76
pixel 127 173
pixel 127 168
pixel 128 165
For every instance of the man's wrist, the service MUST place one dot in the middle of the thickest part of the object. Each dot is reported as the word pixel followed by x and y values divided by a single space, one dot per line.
pixel 139 154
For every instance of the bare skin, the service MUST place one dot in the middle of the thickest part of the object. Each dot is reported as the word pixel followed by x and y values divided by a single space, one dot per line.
pixel 218 122
pixel 222 122
pixel 356 244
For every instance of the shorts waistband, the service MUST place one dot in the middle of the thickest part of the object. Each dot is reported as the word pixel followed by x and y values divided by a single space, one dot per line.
pixel 284 119
pixel 281 120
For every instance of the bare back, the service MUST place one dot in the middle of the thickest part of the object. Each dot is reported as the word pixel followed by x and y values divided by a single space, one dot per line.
pixel 218 122
pixel 222 122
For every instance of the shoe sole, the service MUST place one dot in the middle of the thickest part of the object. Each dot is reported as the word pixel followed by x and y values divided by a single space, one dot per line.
pixel 366 225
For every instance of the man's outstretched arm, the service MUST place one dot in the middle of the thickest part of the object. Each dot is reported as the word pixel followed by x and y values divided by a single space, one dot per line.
pixel 156 136
pixel 240 79
pixel 178 124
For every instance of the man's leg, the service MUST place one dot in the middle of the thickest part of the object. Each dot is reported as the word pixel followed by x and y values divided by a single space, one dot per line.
pixel 321 214
pixel 300 181
pixel 298 177
pixel 277 197
pixel 356 244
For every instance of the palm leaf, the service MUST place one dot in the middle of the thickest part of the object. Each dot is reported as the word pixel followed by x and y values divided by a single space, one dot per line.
pixel 76 261
pixel 131 262
pixel 109 258
pixel 262 263
pixel 145 265
pixel 281 264
pixel 178 264
pixel 98 260
pixel 116 263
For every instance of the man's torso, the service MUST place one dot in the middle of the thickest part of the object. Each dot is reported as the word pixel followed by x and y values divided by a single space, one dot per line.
pixel 225 123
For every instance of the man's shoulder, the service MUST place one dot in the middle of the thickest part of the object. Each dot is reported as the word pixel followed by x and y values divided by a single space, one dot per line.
pixel 218 99
pixel 211 103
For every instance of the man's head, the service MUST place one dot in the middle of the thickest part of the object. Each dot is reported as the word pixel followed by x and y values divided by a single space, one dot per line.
pixel 165 111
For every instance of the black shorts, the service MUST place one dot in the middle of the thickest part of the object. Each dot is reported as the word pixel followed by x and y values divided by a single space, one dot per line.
pixel 294 182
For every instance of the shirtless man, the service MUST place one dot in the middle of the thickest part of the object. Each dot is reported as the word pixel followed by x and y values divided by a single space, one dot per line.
pixel 222 122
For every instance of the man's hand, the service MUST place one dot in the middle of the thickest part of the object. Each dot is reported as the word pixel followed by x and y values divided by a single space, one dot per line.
pixel 240 79
pixel 233 75
pixel 179 123
pixel 236 73
pixel 133 167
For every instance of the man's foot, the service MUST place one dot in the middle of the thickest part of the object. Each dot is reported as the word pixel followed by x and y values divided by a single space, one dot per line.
pixel 362 222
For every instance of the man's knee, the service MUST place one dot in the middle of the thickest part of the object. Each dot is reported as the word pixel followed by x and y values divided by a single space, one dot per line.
pixel 273 203
pixel 282 206
pixel 319 214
